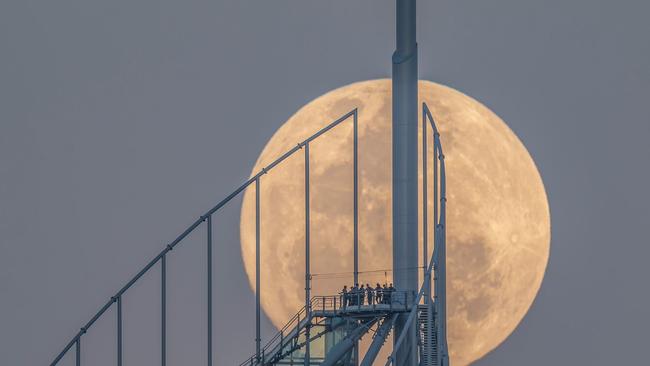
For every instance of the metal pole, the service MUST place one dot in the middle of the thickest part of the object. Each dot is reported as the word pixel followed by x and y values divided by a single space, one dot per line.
pixel 425 204
pixel 435 193
pixel 436 236
pixel 307 264
pixel 356 213
pixel 442 272
pixel 78 352
pixel 425 189
pixel 119 331
pixel 163 311
pixel 356 198
pixel 209 290
pixel 258 289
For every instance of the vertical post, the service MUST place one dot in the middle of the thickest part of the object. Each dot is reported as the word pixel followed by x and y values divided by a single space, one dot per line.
pixel 443 264
pixel 119 330
pixel 78 351
pixel 356 196
pixel 163 310
pixel 356 212
pixel 425 204
pixel 209 274
pixel 436 233
pixel 436 236
pixel 307 264
pixel 427 277
pixel 405 168
pixel 258 289
pixel 435 187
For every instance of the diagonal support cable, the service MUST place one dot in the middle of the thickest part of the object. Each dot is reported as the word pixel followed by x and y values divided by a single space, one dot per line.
pixel 76 340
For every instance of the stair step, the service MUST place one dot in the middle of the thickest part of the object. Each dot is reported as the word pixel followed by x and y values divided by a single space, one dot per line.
pixel 428 342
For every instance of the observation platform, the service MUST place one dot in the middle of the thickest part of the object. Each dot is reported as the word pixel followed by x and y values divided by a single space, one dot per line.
pixel 328 320
pixel 334 306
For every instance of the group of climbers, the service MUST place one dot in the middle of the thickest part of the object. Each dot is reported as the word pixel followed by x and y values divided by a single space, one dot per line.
pixel 366 295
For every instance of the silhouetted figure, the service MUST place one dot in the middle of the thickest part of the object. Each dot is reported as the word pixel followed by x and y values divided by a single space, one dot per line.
pixel 385 295
pixel 362 294
pixel 378 292
pixel 370 294
pixel 350 296
pixel 344 297
pixel 354 295
pixel 391 291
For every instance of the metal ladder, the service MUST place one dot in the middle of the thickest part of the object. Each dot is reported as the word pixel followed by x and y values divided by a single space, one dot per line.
pixel 427 333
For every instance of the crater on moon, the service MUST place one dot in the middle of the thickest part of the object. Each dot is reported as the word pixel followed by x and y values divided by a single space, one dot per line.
pixel 498 233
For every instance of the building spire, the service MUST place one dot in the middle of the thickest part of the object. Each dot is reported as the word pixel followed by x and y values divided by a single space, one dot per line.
pixel 405 169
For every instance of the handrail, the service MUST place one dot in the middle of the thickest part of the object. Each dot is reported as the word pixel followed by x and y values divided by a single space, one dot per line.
pixel 399 300
pixel 193 226
pixel 270 344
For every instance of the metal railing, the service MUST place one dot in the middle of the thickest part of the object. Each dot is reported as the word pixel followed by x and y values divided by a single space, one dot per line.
pixel 356 302
pixel 290 330
pixel 205 218
pixel 332 305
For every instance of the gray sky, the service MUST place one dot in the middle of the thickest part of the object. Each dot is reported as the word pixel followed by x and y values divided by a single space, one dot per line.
pixel 122 121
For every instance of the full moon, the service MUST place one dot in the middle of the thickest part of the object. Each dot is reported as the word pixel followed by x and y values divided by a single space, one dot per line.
pixel 498 222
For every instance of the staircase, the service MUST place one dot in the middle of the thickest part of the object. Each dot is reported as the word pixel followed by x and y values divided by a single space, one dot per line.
pixel 427 333
pixel 285 341
pixel 326 315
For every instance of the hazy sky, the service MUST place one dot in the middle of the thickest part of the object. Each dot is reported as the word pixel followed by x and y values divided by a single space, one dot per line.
pixel 122 121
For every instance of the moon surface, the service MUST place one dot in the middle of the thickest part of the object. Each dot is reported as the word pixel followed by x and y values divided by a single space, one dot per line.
pixel 498 222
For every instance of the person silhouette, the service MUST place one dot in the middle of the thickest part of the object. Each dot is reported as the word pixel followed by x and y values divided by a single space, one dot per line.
pixel 344 297
pixel 385 295
pixel 370 294
pixel 354 295
pixel 378 291
pixel 391 291
pixel 362 294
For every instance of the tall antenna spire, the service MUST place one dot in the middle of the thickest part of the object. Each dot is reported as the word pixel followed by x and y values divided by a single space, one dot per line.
pixel 405 169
